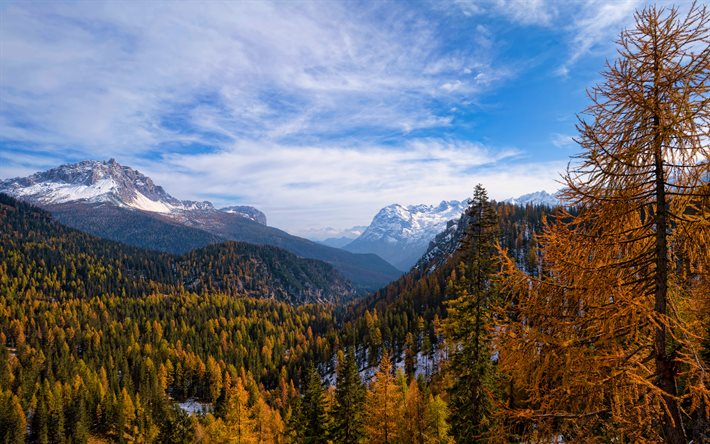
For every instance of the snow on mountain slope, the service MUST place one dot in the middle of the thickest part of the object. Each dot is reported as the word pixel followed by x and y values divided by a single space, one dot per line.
pixel 536 198
pixel 412 223
pixel 400 234
pixel 119 203
pixel 107 181
pixel 247 213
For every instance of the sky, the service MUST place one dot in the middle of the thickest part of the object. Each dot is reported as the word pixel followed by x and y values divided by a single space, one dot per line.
pixel 318 113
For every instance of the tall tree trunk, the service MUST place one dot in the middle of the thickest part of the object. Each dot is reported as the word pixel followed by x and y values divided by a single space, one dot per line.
pixel 665 373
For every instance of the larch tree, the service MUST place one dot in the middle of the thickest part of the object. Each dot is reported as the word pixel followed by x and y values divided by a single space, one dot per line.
pixel 607 344
pixel 238 422
pixel 382 406
pixel 414 427
pixel 469 325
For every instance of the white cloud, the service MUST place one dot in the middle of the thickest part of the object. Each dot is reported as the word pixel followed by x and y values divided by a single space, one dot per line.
pixel 302 187
pixel 563 140
pixel 598 21
pixel 526 12
pixel 298 104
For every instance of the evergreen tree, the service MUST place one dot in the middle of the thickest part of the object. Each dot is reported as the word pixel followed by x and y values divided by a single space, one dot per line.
pixel 349 401
pixel 177 427
pixel 40 419
pixel 313 413
pixel 469 326
pixel 437 417
pixel 77 421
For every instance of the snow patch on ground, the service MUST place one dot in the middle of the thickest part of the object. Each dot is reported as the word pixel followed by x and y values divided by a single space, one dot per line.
pixel 194 407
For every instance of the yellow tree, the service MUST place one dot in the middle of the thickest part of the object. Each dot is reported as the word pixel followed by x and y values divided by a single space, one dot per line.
pixel 237 419
pixel 382 406
pixel 608 343
pixel 414 427
pixel 268 425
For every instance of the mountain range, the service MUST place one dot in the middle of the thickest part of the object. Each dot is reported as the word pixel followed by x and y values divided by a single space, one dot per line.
pixel 119 203
pixel 400 234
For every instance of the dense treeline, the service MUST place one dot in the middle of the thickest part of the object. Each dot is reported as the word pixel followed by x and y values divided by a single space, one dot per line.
pixel 90 344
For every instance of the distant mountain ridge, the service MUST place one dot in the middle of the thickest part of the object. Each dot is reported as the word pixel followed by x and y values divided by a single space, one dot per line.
pixel 119 203
pixel 536 198
pixel 92 181
pixel 402 234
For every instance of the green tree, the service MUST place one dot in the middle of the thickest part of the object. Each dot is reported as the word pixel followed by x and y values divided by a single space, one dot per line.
pixel 313 413
pixel 177 427
pixel 469 326
pixel 13 423
pixel 349 401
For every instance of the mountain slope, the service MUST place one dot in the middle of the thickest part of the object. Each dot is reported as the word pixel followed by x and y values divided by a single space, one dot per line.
pixel 402 234
pixel 30 237
pixel 118 203
pixel 416 301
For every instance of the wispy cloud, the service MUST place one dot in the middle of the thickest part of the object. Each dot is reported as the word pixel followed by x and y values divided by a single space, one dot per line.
pixel 336 186
pixel 112 76
pixel 563 140
pixel 528 12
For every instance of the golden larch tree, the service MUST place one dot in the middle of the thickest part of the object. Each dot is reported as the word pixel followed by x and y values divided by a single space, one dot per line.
pixel 607 344
pixel 382 406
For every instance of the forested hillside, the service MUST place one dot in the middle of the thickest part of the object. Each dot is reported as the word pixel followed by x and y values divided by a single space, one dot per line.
pixel 40 254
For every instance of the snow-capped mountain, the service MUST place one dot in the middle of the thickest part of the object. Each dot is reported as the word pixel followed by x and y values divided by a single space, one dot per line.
pixel 93 181
pixel 402 234
pixel 536 198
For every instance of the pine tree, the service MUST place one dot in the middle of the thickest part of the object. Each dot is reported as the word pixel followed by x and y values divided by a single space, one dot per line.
pixel 437 417
pixel 607 343
pixel 349 401
pixel 469 325
pixel 313 414
pixel 382 406
pixel 40 418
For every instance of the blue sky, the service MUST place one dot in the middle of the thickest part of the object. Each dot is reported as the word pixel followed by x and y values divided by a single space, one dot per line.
pixel 318 113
